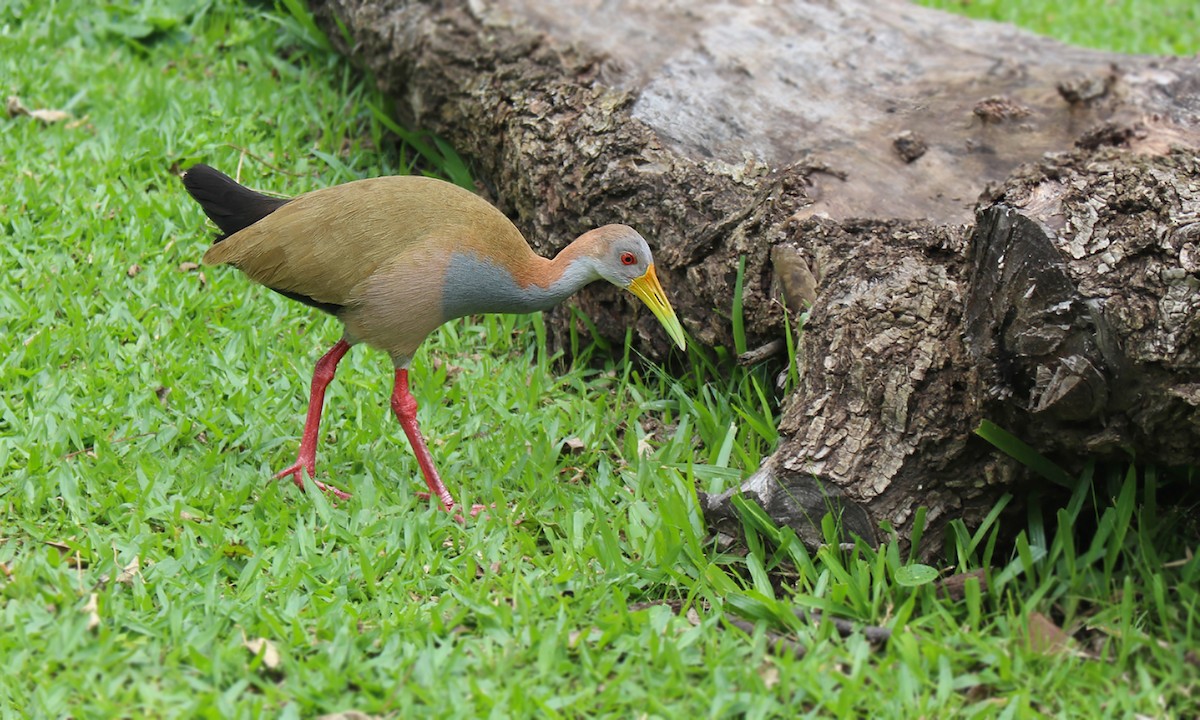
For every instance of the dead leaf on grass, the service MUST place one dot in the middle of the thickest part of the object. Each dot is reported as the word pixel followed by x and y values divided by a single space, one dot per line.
pixel 769 673
pixel 64 549
pixel 15 107
pixel 644 448
pixel 130 571
pixel 451 369
pixel 49 116
pixel 127 573
pixel 1045 637
pixel 264 648
pixel 92 610
pixel 188 266
pixel 955 586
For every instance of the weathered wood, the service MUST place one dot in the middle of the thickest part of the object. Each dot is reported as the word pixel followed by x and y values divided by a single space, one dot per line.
pixel 882 420
pixel 1070 315
pixel 1083 314
pixel 841 148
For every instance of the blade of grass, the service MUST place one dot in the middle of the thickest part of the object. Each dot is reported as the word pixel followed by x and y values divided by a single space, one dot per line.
pixel 1015 448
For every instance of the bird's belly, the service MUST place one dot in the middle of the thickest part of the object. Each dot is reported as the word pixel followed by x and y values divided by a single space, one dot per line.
pixel 394 310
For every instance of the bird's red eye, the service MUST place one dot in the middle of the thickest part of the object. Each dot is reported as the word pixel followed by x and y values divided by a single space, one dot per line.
pixel 627 258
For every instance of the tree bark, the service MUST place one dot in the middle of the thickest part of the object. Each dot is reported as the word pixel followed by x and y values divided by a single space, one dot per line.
pixel 982 223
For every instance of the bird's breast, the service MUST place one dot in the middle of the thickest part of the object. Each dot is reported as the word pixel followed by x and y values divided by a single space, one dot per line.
pixel 474 284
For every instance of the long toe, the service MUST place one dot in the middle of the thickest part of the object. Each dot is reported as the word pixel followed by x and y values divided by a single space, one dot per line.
pixel 297 473
pixel 339 494
pixel 475 509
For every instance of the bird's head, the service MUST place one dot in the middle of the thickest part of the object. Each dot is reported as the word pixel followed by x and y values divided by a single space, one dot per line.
pixel 623 258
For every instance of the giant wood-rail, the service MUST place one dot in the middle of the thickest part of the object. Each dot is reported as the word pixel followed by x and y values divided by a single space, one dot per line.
pixel 393 258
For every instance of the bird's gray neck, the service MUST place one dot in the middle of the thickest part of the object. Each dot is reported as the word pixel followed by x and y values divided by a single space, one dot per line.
pixel 477 285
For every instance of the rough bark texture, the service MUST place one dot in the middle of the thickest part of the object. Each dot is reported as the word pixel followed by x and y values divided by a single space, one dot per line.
pixel 1069 315
pixel 842 148
pixel 1083 315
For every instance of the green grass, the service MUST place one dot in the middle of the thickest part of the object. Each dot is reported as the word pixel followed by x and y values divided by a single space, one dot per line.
pixel 143 407
pixel 1157 27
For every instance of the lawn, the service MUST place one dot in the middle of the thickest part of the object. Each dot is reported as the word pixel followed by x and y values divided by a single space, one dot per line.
pixel 148 568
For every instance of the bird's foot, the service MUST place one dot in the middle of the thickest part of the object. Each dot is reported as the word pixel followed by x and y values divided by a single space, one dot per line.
pixel 475 509
pixel 297 473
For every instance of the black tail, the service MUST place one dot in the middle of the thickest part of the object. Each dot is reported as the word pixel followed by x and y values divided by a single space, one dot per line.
pixel 230 205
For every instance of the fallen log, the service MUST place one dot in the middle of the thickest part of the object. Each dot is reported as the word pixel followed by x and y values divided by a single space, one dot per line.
pixel 980 222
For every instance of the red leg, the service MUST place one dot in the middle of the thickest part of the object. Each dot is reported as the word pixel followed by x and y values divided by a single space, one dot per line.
pixel 307 458
pixel 405 407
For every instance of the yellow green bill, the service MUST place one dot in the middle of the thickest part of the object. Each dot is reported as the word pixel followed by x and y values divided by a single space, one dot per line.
pixel 650 291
